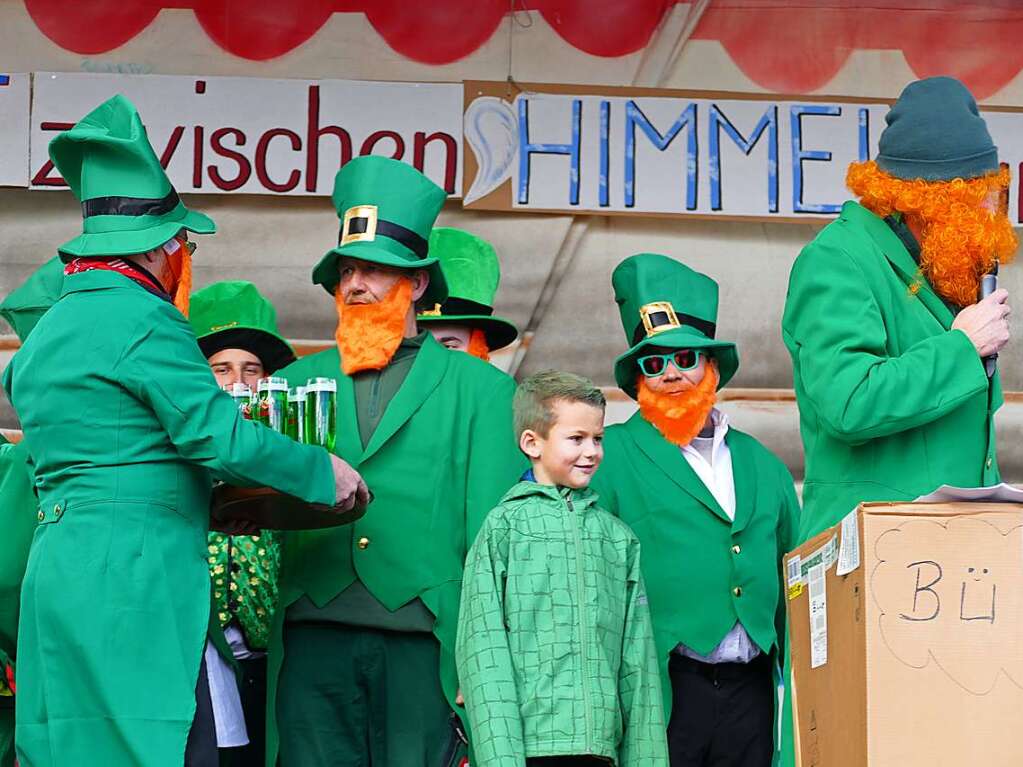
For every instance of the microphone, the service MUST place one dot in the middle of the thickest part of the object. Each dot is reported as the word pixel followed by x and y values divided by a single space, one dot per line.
pixel 988 285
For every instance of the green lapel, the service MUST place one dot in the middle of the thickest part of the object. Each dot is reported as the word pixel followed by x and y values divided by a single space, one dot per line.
pixel 744 477
pixel 669 459
pixel 427 371
pixel 900 259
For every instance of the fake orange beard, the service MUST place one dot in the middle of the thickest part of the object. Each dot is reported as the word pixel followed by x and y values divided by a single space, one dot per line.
pixel 368 335
pixel 679 417
pixel 181 266
pixel 960 239
pixel 478 345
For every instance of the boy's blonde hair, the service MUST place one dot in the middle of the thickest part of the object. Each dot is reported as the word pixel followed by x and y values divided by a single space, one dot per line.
pixel 533 405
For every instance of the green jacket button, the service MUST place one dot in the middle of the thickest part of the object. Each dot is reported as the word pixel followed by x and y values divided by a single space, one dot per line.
pixel 41 515
pixel 737 591
pixel 736 549
pixel 363 543
pixel 57 510
pixel 988 464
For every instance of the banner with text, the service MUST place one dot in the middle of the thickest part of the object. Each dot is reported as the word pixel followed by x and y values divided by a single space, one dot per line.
pixel 15 92
pixel 659 152
pixel 261 136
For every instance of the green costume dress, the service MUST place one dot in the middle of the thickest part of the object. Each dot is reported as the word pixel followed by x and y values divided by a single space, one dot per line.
pixel 892 403
pixel 126 428
pixel 555 649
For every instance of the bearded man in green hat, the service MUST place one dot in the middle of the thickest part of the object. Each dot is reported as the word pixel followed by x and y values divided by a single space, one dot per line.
pixel 363 649
pixel 18 503
pixel 126 434
pixel 465 321
pixel 882 319
pixel 236 328
pixel 714 512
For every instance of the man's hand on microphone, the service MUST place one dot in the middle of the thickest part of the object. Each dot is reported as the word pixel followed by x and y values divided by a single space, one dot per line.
pixel 986 323
pixel 349 488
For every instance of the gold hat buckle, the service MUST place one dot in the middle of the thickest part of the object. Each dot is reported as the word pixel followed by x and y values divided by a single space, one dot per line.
pixel 434 312
pixel 658 316
pixel 364 232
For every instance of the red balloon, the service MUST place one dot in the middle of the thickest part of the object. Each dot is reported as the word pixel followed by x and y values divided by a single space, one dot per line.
pixel 91 26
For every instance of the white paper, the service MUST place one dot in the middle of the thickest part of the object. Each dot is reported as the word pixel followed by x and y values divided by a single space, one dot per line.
pixel 1002 493
pixel 818 616
pixel 849 549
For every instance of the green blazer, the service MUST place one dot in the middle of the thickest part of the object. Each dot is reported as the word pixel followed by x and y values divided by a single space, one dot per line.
pixel 694 557
pixel 126 427
pixel 892 403
pixel 441 457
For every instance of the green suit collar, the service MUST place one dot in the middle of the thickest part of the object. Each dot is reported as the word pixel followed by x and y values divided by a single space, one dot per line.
pixel 428 369
pixel 900 259
pixel 669 459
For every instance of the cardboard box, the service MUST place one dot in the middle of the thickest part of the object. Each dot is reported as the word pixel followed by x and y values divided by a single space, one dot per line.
pixel 906 636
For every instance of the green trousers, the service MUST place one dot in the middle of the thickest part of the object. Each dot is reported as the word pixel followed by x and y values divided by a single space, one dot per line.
pixel 6 734
pixel 351 696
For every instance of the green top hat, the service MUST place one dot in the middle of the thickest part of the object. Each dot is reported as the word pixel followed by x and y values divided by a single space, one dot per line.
pixel 234 315
pixel 387 209
pixel 665 303
pixel 26 304
pixel 473 273
pixel 128 203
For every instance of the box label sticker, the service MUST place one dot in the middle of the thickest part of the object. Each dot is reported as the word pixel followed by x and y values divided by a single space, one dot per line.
pixel 818 616
pixel 849 551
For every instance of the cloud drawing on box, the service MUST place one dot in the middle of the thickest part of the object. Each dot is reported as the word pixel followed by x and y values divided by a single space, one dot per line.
pixel 949 593
pixel 491 130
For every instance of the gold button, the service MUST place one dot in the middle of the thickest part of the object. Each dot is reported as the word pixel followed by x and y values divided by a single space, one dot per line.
pixel 988 464
pixel 363 543
pixel 57 510
pixel 737 591
pixel 736 549
pixel 41 515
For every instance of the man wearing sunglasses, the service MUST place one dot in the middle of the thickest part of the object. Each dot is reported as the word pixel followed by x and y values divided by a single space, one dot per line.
pixel 714 512
pixel 126 428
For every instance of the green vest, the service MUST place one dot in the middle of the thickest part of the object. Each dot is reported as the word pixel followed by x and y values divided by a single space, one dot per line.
pixel 126 434
pixel 703 571
pixel 439 459
pixel 892 403
pixel 244 571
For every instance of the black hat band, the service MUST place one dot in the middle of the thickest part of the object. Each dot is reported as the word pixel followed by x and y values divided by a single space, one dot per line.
pixel 360 225
pixel 705 327
pixel 130 206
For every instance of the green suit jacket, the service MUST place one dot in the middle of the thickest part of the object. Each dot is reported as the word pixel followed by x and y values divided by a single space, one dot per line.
pixel 892 403
pixel 441 457
pixel 694 557
pixel 126 427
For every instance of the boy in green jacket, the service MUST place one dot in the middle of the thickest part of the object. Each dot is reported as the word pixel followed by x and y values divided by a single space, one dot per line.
pixel 555 650
pixel 236 328
pixel 714 510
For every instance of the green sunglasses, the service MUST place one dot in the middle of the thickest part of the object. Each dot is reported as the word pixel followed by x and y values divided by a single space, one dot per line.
pixel 653 365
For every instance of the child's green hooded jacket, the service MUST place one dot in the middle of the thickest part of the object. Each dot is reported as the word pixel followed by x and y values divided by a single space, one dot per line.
pixel 555 650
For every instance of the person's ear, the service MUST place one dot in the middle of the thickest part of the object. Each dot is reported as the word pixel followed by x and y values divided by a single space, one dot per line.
pixel 420 282
pixel 530 443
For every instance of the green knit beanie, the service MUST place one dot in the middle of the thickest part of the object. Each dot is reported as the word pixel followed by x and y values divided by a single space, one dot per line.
pixel 936 134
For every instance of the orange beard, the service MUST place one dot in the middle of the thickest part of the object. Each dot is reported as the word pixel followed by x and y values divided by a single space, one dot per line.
pixel 679 417
pixel 478 345
pixel 368 335
pixel 181 264
pixel 960 239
